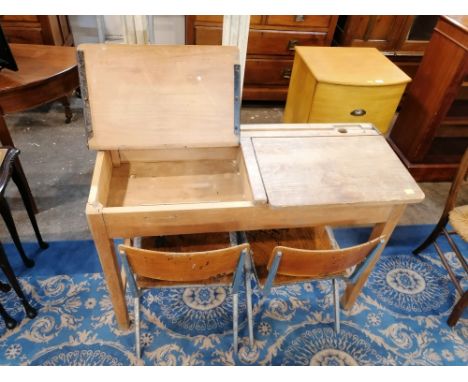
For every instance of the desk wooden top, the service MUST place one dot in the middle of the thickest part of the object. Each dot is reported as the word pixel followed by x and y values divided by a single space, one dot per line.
pixel 36 63
pixel 332 169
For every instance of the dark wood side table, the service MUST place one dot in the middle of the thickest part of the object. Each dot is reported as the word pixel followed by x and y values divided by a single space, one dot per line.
pixel 46 74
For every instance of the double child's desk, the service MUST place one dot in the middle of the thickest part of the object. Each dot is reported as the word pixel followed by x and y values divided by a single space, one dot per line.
pixel 173 159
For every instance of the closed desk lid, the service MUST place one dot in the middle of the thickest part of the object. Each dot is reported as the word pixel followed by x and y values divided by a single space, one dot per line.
pixel 332 171
pixel 150 96
pixel 351 66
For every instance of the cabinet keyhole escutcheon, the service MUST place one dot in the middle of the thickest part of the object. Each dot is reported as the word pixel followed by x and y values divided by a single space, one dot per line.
pixel 358 112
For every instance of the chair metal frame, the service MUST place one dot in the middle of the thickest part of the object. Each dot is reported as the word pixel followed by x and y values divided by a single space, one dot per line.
pixel 277 255
pixel 237 277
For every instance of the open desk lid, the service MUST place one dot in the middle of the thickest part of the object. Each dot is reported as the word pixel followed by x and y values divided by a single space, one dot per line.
pixel 157 96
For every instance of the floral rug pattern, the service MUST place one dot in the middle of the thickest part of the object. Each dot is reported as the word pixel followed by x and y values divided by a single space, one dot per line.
pixel 399 319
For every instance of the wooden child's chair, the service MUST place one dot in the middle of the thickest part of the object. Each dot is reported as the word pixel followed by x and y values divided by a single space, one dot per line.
pixel 154 268
pixel 287 265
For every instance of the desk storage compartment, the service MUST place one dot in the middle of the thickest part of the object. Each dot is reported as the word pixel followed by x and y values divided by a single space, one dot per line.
pixel 190 176
pixel 166 177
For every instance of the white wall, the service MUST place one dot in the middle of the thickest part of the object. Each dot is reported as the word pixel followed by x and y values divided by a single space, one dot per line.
pixel 168 29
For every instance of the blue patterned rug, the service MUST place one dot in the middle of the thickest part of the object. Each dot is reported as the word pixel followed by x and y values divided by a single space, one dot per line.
pixel 399 319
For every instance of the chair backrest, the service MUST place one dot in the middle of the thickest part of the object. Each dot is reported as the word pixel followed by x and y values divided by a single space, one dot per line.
pixel 183 266
pixel 321 263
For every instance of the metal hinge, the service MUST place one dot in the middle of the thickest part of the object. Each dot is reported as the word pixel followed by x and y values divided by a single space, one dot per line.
pixel 237 99
pixel 84 94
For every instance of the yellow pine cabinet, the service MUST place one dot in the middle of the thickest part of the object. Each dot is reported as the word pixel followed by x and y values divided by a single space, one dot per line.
pixel 344 85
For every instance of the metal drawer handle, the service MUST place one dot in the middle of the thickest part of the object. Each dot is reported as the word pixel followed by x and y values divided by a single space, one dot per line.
pixel 358 112
pixel 299 18
pixel 292 44
pixel 287 73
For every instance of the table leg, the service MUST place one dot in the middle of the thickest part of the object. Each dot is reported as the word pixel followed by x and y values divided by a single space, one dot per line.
pixel 22 184
pixel 66 104
pixel 352 290
pixel 5 139
pixel 110 267
pixel 9 222
pixel 10 275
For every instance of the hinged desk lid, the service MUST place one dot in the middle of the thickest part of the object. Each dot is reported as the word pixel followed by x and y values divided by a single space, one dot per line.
pixel 333 170
pixel 149 96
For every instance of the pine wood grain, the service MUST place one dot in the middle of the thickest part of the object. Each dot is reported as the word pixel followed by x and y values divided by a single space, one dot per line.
pixel 151 96
pixel 329 171
pixel 184 267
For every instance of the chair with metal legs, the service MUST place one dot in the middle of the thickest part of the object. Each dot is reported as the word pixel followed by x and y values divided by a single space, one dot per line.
pixel 10 275
pixel 288 265
pixel 9 168
pixel 146 269
pixel 458 218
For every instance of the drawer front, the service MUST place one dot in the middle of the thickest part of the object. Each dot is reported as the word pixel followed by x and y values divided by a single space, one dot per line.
pixel 337 103
pixel 205 35
pixel 219 19
pixel 263 42
pixel 267 72
pixel 304 21
pixel 24 35
pixel 19 19
pixel 282 43
pixel 209 19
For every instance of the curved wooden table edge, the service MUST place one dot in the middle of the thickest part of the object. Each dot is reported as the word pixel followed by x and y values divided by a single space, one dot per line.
pixel 39 81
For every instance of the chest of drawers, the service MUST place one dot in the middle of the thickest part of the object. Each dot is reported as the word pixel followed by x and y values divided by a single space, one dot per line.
pixel 43 30
pixel 271 45
pixel 344 85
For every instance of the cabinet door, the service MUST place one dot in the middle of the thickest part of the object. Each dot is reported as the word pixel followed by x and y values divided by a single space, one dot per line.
pixel 417 33
pixel 381 32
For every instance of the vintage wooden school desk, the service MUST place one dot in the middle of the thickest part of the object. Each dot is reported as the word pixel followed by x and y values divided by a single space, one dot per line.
pixel 172 159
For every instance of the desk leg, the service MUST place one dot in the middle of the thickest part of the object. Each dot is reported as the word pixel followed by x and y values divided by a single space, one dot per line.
pixel 110 266
pixel 5 139
pixel 352 290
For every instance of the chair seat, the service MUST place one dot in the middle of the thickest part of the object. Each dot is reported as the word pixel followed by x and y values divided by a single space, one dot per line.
pixel 187 243
pixel 145 282
pixel 458 218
